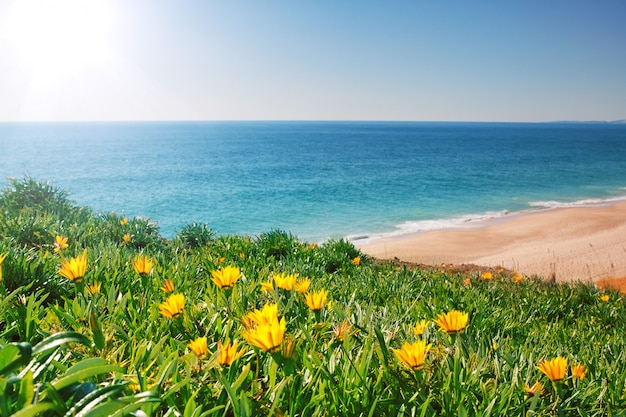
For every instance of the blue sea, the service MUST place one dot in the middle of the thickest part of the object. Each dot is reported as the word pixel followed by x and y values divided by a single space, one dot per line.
pixel 320 180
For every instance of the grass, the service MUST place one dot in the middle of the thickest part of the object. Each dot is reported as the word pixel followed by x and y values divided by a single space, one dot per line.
pixel 101 345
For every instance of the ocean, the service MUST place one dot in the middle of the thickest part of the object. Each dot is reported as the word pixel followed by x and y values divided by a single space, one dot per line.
pixel 320 180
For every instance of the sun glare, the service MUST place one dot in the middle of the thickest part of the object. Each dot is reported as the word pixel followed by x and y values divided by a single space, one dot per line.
pixel 55 40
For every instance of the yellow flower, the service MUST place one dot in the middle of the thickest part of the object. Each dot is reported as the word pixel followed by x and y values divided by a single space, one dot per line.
pixel 487 276
pixel 453 321
pixel 127 238
pixel 420 327
pixel 605 298
pixel 74 269
pixel 123 221
pixel 168 286
pixel 94 288
pixel 60 243
pixel 173 306
pixel 267 336
pixel 199 347
pixel 467 282
pixel 532 389
pixel 316 300
pixel 2 260
pixel 554 369
pixel 267 315
pixel 518 278
pixel 302 285
pixel 311 246
pixel 284 281
pixel 413 355
pixel 226 277
pixel 267 286
pixel 579 371
pixel 228 353
pixel 357 260
pixel 219 260
pixel 142 264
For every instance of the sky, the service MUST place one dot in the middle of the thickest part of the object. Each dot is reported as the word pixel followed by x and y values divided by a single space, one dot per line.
pixel 155 60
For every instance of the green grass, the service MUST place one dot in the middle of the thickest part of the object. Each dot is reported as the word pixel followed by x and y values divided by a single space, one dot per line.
pixel 65 351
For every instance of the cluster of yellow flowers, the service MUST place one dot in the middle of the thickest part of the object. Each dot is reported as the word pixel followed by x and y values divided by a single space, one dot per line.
pixel 265 330
pixel 413 355
pixel 556 371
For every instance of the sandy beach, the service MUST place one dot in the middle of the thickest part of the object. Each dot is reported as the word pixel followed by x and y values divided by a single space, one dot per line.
pixel 566 244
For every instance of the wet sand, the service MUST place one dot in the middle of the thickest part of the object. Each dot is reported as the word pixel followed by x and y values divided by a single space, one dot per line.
pixel 566 244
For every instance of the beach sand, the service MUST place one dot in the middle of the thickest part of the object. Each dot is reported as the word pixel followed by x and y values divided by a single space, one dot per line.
pixel 585 244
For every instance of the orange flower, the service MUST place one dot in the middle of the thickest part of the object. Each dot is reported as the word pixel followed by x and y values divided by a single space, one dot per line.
pixel 123 221
pixel 75 268
pixel 579 371
pixel 226 277
pixel 168 286
pixel 518 278
pixel 142 265
pixel 127 238
pixel 357 260
pixel 467 282
pixel 228 353
pixel 413 355
pixel 173 306
pixel 605 298
pixel 60 243
pixel 487 276
pixel 341 330
pixel 199 347
pixel 554 369
pixel 532 389
pixel 453 321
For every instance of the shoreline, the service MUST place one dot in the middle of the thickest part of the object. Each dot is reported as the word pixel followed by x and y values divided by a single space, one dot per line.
pixel 583 243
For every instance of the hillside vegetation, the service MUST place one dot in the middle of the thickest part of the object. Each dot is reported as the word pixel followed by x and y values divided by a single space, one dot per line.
pixel 100 315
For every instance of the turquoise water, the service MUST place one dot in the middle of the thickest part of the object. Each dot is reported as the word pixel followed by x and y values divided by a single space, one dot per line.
pixel 320 180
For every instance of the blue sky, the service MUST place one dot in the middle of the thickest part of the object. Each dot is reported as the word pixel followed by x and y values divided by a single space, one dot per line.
pixel 534 60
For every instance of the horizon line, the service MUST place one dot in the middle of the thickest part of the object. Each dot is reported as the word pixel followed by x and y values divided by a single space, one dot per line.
pixel 615 121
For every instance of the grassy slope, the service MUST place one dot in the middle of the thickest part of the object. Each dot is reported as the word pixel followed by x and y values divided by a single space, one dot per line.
pixel 512 326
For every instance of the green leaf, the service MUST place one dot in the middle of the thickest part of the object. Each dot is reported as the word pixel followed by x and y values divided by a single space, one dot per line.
pixel 96 328
pixel 13 356
pixel 168 367
pixel 93 399
pixel 35 410
pixel 383 345
pixel 27 391
pixel 190 407
pixel 83 370
pixel 140 402
pixel 59 339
